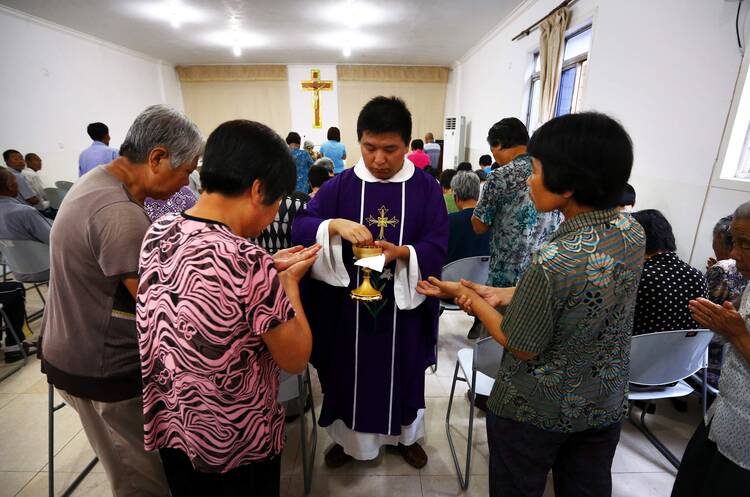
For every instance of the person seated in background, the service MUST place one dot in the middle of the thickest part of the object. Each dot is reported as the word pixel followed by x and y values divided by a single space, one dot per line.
pixel 725 284
pixel 99 152
pixel 667 283
pixel 30 172
pixel 310 149
pixel 20 221
pixel 485 163
pixel 464 167
pixel 482 180
pixel 182 200
pixel 445 183
pixel 15 164
pixel 325 162
pixel 432 149
pixel 318 175
pixel 627 203
pixel 302 160
pixel 417 155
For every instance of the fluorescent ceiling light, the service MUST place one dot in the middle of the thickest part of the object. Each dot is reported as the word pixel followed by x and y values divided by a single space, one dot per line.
pixel 236 38
pixel 353 14
pixel 176 13
pixel 347 51
pixel 348 39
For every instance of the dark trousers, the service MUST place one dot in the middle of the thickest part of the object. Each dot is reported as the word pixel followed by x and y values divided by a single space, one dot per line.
pixel 259 479
pixel 705 472
pixel 522 455
pixel 13 298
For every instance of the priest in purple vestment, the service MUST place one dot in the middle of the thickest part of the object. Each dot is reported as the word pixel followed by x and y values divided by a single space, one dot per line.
pixel 371 357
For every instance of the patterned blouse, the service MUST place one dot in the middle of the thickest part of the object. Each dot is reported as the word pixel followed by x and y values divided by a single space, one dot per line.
pixel 209 383
pixel 725 283
pixel 574 308
pixel 517 228
pixel 183 200
pixel 729 415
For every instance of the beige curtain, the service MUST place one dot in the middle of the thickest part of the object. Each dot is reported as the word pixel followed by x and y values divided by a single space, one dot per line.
pixel 551 46
pixel 422 88
pixel 215 94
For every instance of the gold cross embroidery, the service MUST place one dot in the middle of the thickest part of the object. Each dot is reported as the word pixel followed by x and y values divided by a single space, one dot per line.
pixel 382 222
pixel 315 85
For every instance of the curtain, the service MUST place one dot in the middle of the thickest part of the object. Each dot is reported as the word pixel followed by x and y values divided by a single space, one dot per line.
pixel 422 88
pixel 215 94
pixel 551 46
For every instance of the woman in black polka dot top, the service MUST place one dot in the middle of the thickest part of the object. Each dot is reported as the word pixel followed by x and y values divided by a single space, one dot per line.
pixel 667 282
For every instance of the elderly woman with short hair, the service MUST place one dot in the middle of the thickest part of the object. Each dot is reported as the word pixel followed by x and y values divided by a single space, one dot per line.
pixel 561 391
pixel 717 458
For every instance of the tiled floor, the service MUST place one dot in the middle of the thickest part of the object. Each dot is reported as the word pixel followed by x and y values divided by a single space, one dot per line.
pixel 638 469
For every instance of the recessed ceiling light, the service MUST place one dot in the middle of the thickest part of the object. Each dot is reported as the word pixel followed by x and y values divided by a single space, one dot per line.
pixel 347 51
pixel 176 13
pixel 236 38
pixel 237 51
pixel 355 13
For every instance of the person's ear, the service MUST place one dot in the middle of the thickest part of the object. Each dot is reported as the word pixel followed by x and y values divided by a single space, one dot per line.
pixel 255 192
pixel 155 156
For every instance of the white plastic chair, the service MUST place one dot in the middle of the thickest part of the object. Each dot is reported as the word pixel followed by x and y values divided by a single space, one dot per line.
pixel 298 387
pixel 64 185
pixel 26 259
pixel 659 364
pixel 478 367
pixel 54 196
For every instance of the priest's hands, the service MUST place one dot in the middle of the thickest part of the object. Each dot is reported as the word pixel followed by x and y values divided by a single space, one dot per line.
pixel 350 231
pixel 722 319
pixel 286 258
pixel 392 251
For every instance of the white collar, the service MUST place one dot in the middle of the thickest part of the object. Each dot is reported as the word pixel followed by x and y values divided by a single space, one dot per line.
pixel 403 175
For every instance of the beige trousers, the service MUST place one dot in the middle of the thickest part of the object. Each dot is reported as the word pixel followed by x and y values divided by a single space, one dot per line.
pixel 115 432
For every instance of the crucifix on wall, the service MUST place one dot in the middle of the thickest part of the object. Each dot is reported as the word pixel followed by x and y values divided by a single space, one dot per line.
pixel 315 85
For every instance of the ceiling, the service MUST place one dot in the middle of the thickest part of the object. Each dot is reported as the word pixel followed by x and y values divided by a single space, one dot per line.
pixel 420 32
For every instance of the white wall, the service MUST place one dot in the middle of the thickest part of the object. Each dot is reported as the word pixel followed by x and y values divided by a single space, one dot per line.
pixel 300 102
pixel 55 81
pixel 665 69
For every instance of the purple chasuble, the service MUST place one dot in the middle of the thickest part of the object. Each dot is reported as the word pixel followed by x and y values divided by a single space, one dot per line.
pixel 372 370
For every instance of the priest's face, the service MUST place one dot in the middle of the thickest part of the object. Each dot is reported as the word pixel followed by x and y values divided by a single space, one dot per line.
pixel 383 153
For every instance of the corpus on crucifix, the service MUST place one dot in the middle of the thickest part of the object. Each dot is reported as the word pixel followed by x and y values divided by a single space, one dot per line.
pixel 315 85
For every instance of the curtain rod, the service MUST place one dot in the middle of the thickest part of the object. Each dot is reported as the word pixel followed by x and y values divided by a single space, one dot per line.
pixel 527 31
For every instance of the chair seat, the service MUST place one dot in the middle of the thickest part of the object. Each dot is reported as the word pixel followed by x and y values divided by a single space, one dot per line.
pixel 466 361
pixel 681 389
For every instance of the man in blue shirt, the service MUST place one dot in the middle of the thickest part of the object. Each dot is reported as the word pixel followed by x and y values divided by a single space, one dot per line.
pixel 99 152
pixel 302 159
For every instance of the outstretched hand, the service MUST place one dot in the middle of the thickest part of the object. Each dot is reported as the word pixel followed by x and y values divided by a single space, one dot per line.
pixel 494 296
pixel 286 258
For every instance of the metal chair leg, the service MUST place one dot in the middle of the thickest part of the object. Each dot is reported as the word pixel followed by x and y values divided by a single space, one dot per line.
pixel 51 409
pixel 19 341
pixel 308 457
pixel 643 428
pixel 463 479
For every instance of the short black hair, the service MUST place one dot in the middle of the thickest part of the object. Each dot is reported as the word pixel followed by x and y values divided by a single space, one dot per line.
pixel 97 131
pixel 417 144
pixel 507 133
pixel 659 236
pixel 485 160
pixel 385 115
pixel 334 134
pixel 293 138
pixel 589 154
pixel 464 166
pixel 29 156
pixel 239 152
pixel 8 153
pixel 628 195
pixel 446 177
pixel 318 175
pixel 482 174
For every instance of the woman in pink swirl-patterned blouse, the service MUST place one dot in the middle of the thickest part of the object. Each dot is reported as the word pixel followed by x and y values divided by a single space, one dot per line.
pixel 217 317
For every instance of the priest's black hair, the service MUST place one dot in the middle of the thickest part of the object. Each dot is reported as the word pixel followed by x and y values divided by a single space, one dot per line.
pixel 508 133
pixel 385 115
pixel 239 152
pixel 589 154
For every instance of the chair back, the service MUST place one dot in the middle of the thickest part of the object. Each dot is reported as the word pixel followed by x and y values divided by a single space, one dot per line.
pixel 54 196
pixel 288 386
pixel 476 269
pixel 64 185
pixel 25 256
pixel 488 354
pixel 667 356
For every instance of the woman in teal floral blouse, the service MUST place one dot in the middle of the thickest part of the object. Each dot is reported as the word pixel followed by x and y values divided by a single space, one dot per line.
pixel 561 390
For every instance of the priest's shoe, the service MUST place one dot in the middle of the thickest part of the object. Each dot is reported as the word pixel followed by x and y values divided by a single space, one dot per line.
pixel 413 454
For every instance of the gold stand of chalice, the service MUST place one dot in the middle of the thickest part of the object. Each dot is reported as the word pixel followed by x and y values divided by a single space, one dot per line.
pixel 365 292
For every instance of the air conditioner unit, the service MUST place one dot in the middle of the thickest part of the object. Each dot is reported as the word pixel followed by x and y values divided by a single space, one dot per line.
pixel 454 144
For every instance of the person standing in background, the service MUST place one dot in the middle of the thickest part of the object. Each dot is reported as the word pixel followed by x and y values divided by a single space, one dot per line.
pixel 334 150
pixel 99 151
pixel 432 149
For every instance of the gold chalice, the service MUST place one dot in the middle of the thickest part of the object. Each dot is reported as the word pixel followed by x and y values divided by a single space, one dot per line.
pixel 365 292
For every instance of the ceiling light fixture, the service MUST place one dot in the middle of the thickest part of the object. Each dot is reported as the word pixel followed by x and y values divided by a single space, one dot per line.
pixel 347 51
pixel 237 51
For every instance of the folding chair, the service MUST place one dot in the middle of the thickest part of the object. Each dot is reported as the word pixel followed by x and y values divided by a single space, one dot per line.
pixel 54 196
pixel 51 409
pixel 26 259
pixel 659 364
pixel 19 340
pixel 298 387
pixel 64 185
pixel 479 367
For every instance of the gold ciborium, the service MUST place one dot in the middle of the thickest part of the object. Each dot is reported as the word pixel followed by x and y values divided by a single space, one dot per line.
pixel 365 292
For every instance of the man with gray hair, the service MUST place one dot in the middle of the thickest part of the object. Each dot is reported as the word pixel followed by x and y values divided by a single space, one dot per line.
pixel 89 343
pixel 462 241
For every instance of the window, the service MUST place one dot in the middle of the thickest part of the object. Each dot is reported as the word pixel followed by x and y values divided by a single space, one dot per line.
pixel 572 77
pixel 736 161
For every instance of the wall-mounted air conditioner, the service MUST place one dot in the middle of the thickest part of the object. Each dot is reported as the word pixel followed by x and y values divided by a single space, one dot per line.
pixel 454 145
